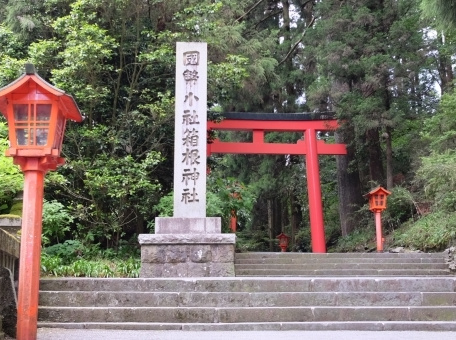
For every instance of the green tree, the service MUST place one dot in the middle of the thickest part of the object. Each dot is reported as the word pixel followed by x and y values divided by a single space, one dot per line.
pixel 442 10
pixel 10 175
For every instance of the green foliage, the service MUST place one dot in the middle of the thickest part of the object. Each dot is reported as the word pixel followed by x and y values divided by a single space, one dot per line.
pixel 252 240
pixel 55 266
pixel 442 11
pixel 400 208
pixel 433 232
pixel 11 177
pixel 67 251
pixel 303 240
pixel 437 177
pixel 439 130
pixel 360 240
pixel 57 220
pixel 11 53
pixel 224 196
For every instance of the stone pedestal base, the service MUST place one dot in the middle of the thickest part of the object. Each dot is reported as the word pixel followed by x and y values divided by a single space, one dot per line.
pixel 187 255
pixel 187 247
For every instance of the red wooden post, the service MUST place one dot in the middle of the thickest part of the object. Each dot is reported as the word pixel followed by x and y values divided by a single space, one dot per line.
pixel 233 221
pixel 29 268
pixel 317 228
pixel 378 230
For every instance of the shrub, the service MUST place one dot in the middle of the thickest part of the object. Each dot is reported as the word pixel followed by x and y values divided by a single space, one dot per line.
pixel 435 231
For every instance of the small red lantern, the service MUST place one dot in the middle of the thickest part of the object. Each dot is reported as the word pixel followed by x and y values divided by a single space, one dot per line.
pixel 377 199
pixel 377 203
pixel 283 241
pixel 36 113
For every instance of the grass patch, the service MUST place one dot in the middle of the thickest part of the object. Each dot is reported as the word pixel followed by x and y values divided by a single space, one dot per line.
pixel 360 240
pixel 53 265
pixel 433 232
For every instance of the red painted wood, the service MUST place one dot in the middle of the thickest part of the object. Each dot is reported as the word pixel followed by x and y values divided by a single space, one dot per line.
pixel 378 230
pixel 317 228
pixel 310 147
pixel 29 267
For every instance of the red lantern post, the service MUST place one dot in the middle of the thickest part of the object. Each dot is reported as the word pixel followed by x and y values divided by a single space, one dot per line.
pixel 283 241
pixel 36 113
pixel 377 203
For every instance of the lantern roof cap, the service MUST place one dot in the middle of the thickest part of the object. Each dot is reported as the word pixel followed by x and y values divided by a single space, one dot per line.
pixel 282 235
pixel 66 102
pixel 378 189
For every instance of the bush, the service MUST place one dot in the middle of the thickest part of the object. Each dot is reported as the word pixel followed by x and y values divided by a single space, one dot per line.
pixel 53 265
pixel 56 222
pixel 358 240
pixel 435 231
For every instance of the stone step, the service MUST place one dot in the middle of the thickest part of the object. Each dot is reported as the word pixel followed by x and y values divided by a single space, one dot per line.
pixel 341 264
pixel 313 266
pixel 254 284
pixel 266 255
pixel 244 299
pixel 349 260
pixel 372 291
pixel 247 314
pixel 342 272
pixel 265 326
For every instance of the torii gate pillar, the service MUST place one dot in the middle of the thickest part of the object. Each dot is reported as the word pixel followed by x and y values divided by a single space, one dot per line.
pixel 317 228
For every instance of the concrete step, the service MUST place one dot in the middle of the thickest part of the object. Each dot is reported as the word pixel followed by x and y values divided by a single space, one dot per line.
pixel 323 260
pixel 265 326
pixel 358 298
pixel 313 266
pixel 247 314
pixel 374 255
pixel 244 299
pixel 341 272
pixel 346 264
pixel 259 284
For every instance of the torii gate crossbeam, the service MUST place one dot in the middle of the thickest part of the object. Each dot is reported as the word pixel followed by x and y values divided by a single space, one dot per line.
pixel 309 146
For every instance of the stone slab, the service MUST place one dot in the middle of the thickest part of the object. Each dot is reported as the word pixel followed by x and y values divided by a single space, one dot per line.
pixel 196 225
pixel 187 259
pixel 190 130
pixel 8 308
pixel 10 221
pixel 145 239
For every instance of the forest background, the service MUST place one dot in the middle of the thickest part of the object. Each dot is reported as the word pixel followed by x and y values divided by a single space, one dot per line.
pixel 384 67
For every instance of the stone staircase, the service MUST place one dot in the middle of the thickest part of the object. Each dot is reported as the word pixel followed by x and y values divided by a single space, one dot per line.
pixel 346 264
pixel 422 300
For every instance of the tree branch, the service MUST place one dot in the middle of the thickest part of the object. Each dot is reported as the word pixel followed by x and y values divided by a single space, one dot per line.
pixel 270 15
pixel 297 43
pixel 250 10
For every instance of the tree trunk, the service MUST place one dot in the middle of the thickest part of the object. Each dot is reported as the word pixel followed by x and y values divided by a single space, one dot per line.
pixel 349 189
pixel 375 156
pixel 294 219
pixel 389 159
pixel 270 225
pixel 444 67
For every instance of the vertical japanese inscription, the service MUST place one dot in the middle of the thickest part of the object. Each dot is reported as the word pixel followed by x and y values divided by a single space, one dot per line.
pixel 190 130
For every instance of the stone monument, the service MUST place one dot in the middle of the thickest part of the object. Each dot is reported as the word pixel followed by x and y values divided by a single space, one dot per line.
pixel 189 243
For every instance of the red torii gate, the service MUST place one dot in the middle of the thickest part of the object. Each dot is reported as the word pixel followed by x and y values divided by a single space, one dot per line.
pixel 310 146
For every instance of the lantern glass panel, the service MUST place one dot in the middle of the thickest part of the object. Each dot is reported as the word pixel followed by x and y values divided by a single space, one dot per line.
pixel 43 115
pixel 20 112
pixel 32 123
pixel 22 136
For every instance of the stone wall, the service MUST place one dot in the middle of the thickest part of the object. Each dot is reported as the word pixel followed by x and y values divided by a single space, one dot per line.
pixel 187 255
pixel 8 309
